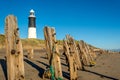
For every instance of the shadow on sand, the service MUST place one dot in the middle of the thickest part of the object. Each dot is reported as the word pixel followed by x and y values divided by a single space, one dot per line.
pixel 64 64
pixel 44 57
pixel 66 75
pixel 62 58
pixel 41 70
pixel 4 67
pixel 101 75
pixel 43 63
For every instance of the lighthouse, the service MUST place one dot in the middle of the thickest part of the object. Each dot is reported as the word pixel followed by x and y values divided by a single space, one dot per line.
pixel 32 25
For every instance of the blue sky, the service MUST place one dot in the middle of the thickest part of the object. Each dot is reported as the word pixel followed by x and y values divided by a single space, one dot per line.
pixel 95 21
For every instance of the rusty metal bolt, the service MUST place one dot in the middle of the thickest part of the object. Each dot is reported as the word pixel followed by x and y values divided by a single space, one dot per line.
pixel 17 41
pixel 53 34
pixel 17 29
pixel 22 76
pixel 18 52
pixel 13 51
pixel 56 42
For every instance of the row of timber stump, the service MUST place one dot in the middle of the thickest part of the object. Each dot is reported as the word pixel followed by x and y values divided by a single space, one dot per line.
pixel 78 54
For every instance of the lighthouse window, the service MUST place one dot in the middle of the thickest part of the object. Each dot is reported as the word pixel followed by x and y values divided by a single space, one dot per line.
pixel 31 13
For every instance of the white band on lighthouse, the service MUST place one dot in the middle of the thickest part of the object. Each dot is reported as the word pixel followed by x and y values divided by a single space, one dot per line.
pixel 32 32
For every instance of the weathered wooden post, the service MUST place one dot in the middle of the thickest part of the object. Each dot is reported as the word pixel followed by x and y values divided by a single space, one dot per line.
pixel 74 50
pixel 93 54
pixel 48 41
pixel 92 49
pixel 73 57
pixel 71 62
pixel 30 53
pixel 91 58
pixel 82 52
pixel 100 51
pixel 14 51
pixel 87 54
pixel 53 53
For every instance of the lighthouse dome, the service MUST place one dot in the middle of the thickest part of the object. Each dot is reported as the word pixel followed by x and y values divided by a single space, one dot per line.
pixel 32 13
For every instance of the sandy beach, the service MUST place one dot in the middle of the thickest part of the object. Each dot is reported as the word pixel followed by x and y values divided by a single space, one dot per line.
pixel 107 67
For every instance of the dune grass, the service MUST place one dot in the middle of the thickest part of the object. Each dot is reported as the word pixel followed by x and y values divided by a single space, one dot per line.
pixel 27 43
pixel 34 43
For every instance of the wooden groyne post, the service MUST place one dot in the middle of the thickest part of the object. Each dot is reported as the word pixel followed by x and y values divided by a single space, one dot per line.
pixel 30 53
pixel 53 52
pixel 72 55
pixel 86 54
pixel 14 51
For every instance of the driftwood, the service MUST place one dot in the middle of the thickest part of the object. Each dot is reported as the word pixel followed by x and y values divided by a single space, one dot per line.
pixel 53 52
pixel 14 51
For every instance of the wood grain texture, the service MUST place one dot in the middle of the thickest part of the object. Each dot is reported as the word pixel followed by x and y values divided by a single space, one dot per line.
pixel 52 51
pixel 14 51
